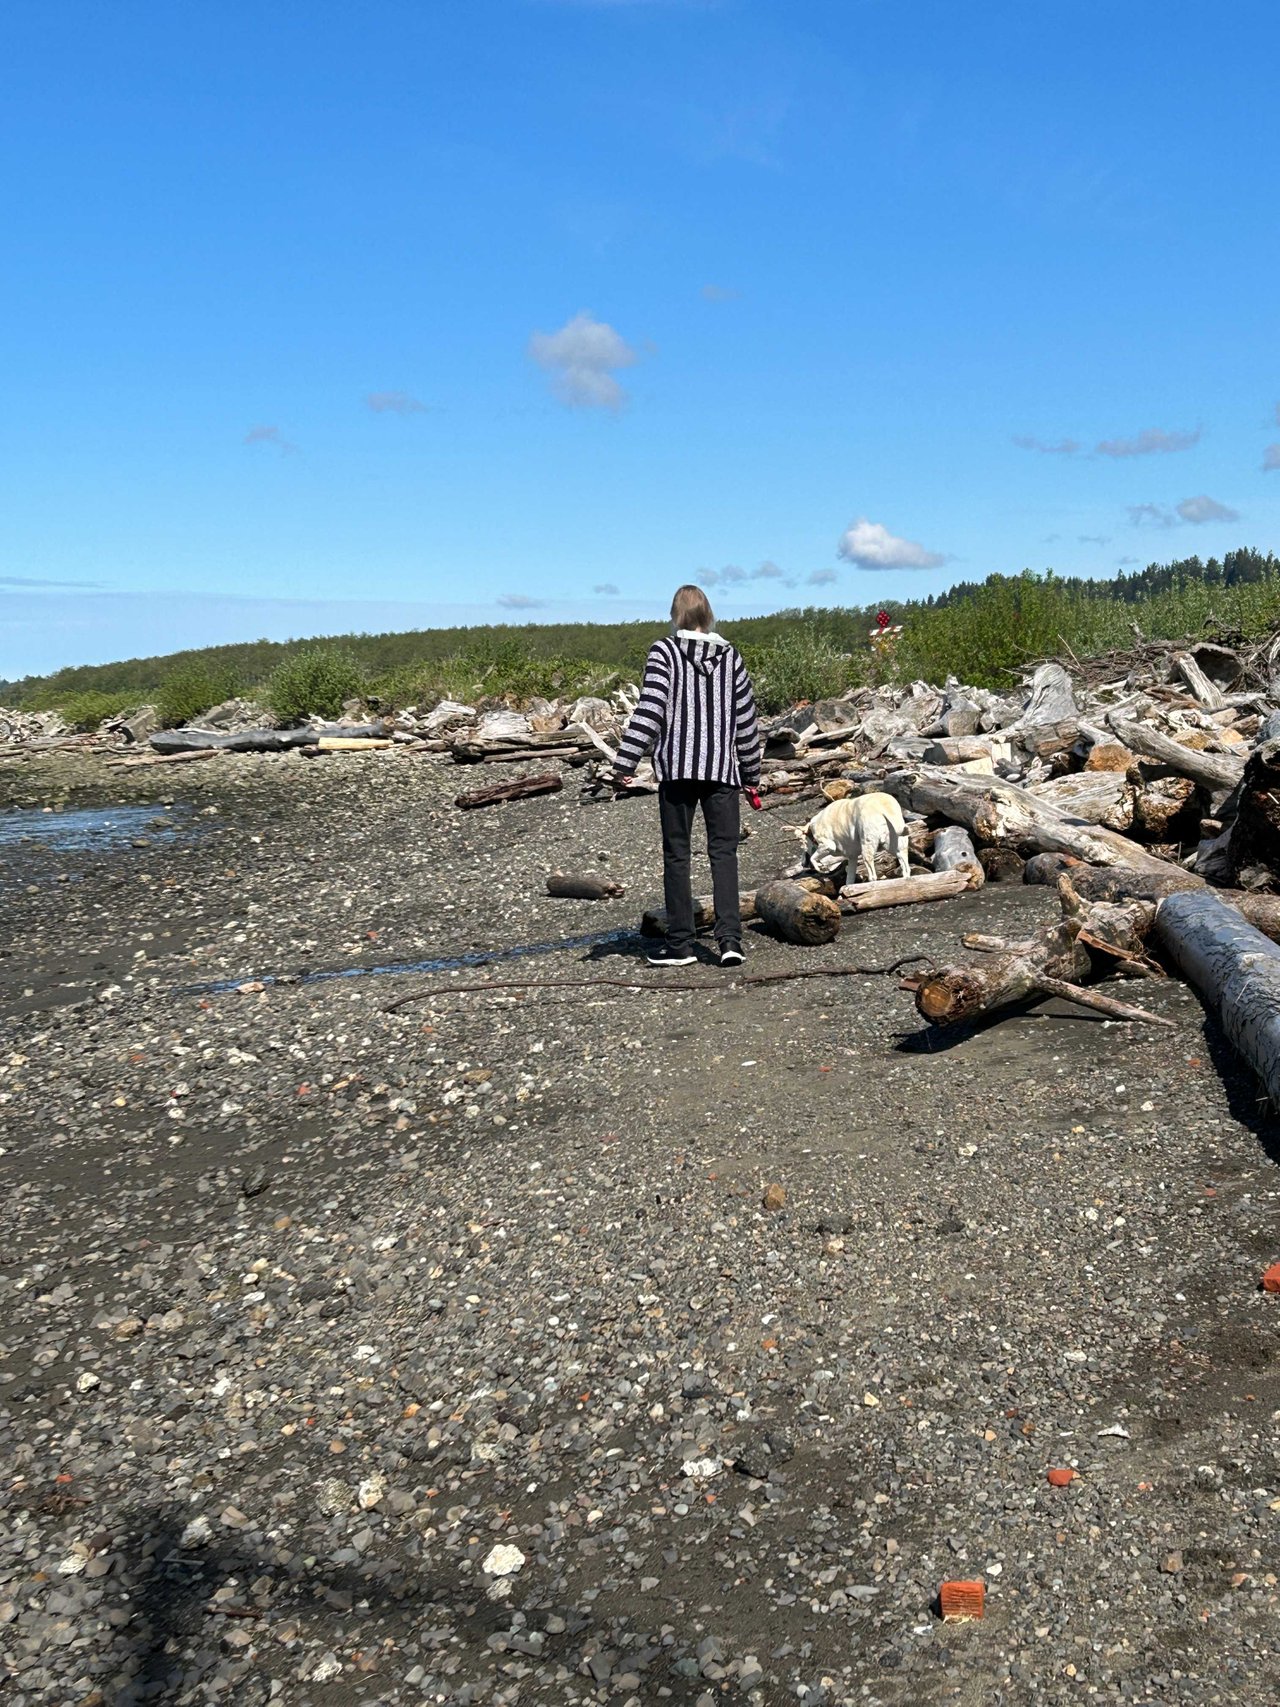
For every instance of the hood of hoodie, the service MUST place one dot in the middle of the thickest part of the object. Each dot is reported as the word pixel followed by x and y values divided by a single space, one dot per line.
pixel 703 651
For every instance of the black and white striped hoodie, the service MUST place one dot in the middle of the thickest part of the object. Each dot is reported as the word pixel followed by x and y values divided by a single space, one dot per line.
pixel 696 714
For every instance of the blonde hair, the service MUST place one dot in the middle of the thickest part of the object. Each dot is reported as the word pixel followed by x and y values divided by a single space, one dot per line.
pixel 691 608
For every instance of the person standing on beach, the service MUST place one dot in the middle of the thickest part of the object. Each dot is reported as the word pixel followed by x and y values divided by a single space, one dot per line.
pixel 697 716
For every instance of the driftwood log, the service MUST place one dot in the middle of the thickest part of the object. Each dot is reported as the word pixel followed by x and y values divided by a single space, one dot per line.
pixel 1164 810
pixel 1255 834
pixel 655 921
pixel 528 744
pixel 1094 797
pixel 997 811
pixel 168 741
pixel 798 914
pixel 1051 964
pixel 1002 864
pixel 587 886
pixel 1208 693
pixel 1235 969
pixel 1093 883
pixel 956 993
pixel 1218 772
pixel 904 891
pixel 953 851
pixel 500 792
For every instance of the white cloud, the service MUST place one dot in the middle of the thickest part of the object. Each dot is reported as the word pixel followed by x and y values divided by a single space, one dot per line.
pixel 269 436
pixel 1196 511
pixel 607 590
pixel 733 576
pixel 582 358
pixel 1148 442
pixel 1140 514
pixel 394 403
pixel 1271 459
pixel 822 578
pixel 869 545
pixel 1206 509
pixel 1064 447
pixel 520 601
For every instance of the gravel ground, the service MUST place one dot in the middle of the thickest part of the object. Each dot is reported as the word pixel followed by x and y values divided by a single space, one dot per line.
pixel 462 1353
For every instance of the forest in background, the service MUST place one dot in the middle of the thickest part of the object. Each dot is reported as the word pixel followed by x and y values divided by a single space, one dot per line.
pixel 980 631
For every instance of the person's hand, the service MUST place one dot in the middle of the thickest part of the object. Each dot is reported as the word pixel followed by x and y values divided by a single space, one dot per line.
pixel 753 796
pixel 621 782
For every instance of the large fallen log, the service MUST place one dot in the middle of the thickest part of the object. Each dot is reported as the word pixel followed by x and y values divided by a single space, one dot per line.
pixel 1094 797
pixel 1235 969
pixel 1215 771
pixel 997 811
pixel 168 741
pixel 905 891
pixel 1093 883
pixel 797 914
pixel 500 792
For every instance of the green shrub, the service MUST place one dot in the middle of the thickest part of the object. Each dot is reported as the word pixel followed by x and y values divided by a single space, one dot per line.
pixel 314 683
pixel 502 667
pixel 191 689
pixel 805 663
pixel 89 710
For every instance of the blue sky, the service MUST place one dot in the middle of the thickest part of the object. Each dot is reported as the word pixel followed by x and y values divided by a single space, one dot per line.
pixel 319 317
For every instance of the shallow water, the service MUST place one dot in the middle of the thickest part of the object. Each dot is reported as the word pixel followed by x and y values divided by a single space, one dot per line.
pixel 455 963
pixel 95 829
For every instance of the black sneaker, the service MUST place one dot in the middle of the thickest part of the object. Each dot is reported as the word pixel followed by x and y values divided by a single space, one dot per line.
pixel 665 955
pixel 731 954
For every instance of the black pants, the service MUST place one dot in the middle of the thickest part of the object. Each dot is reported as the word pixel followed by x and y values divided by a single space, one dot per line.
pixel 677 803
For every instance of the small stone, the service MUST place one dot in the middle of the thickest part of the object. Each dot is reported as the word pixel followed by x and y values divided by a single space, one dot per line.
pixel 775 1198
pixel 1171 1564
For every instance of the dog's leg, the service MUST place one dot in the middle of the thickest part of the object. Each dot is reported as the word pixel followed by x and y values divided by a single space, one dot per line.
pixel 902 848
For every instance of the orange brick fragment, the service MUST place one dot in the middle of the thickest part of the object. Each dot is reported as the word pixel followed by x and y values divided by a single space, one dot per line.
pixel 1061 1478
pixel 1271 1279
pixel 962 1600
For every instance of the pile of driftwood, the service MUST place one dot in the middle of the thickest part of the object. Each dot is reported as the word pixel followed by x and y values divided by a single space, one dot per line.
pixel 1147 791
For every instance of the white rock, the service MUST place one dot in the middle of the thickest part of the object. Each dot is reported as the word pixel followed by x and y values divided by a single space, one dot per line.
pixel 86 1382
pixel 197 1532
pixel 702 1469
pixel 503 1560
pixel 370 1492
pixel 326 1668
